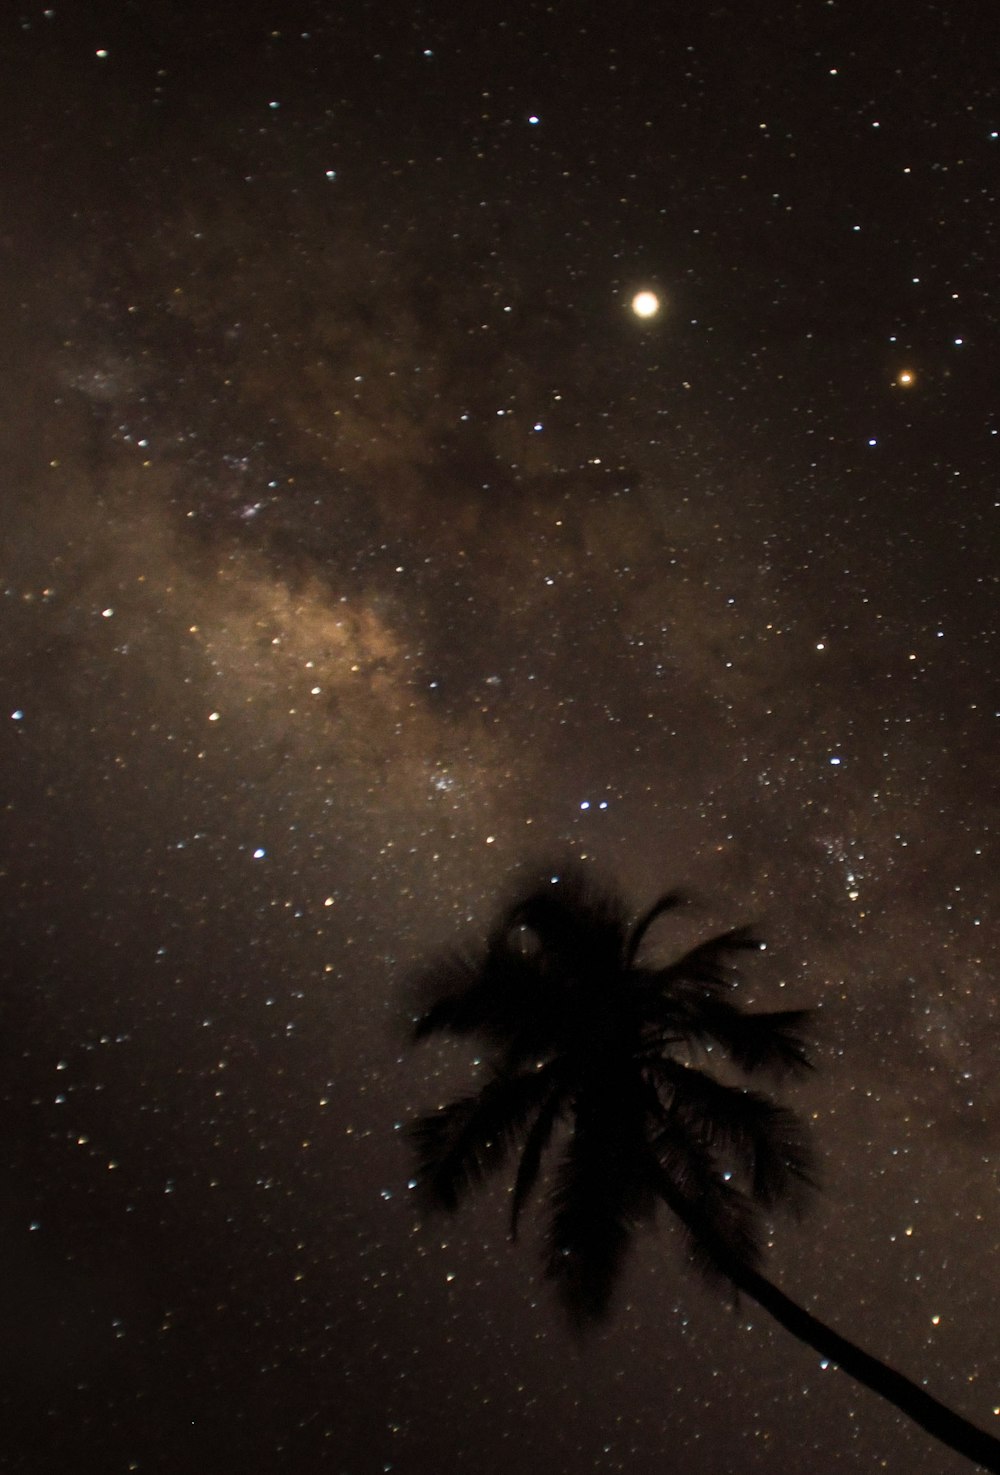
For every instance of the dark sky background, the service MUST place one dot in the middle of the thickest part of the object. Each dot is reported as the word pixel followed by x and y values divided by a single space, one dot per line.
pixel 360 544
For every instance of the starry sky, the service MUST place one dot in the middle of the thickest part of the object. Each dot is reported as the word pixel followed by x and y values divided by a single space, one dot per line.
pixel 361 544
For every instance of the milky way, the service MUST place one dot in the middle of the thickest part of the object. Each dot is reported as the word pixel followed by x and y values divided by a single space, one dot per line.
pixel 361 544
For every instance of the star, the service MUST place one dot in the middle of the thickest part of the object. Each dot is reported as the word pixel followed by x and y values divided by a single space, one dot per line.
pixel 645 304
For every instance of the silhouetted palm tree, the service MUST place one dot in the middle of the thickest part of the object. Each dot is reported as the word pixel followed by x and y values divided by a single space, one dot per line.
pixel 603 1056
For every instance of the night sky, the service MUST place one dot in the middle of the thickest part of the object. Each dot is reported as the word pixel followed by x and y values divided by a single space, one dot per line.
pixel 360 545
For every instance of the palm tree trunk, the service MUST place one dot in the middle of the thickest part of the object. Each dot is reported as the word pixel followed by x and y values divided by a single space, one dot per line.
pixel 950 1428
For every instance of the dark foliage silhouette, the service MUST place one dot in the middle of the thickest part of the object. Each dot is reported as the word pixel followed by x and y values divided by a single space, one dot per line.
pixel 630 1075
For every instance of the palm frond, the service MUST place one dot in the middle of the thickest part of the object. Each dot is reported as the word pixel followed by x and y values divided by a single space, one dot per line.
pixel 784 1167
pixel 718 1217
pixel 531 1156
pixel 499 996
pixel 669 902
pixel 458 1145
pixel 450 997
pixel 761 1144
pixel 710 965
pixel 769 1042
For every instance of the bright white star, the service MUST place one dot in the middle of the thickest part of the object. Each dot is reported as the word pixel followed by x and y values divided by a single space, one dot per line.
pixel 645 304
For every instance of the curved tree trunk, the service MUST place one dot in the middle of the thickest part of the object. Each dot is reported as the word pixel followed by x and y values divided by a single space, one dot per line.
pixel 950 1428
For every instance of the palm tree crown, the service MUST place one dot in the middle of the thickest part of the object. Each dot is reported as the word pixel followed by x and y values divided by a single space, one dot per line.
pixel 602 1053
